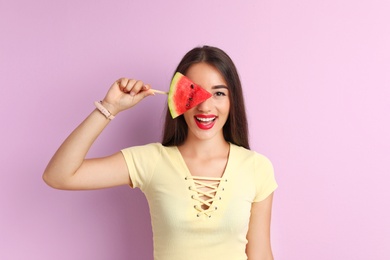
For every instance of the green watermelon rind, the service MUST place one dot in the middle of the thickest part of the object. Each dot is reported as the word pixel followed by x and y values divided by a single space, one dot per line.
pixel 172 90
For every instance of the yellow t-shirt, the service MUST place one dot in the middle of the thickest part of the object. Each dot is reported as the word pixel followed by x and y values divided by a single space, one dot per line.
pixel 181 228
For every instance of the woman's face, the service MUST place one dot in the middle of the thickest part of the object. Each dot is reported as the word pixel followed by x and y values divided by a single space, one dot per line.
pixel 206 120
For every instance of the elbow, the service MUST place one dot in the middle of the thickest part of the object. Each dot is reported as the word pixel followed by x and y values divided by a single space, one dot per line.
pixel 52 182
pixel 49 181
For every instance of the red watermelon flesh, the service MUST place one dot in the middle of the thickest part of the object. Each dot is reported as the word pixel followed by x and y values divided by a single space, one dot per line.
pixel 184 95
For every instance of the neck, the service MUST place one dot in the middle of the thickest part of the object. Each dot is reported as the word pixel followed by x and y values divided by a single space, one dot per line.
pixel 214 146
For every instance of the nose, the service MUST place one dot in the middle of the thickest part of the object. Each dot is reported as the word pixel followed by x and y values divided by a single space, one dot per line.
pixel 205 106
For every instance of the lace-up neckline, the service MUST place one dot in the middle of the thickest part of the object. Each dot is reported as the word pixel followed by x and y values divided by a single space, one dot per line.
pixel 206 192
pixel 205 189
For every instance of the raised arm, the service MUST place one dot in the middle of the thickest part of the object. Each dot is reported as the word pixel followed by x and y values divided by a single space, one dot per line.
pixel 68 169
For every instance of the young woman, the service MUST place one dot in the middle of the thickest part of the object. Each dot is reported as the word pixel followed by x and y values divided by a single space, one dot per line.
pixel 210 197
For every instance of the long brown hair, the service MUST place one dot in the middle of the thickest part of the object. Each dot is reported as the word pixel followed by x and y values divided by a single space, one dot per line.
pixel 235 129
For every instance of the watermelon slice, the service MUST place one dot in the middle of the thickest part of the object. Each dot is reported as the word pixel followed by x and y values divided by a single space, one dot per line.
pixel 184 95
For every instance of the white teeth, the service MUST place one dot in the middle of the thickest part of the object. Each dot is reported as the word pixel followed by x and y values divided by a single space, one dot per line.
pixel 202 119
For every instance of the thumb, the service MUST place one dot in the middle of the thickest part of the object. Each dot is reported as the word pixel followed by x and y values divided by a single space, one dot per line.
pixel 148 92
pixel 139 96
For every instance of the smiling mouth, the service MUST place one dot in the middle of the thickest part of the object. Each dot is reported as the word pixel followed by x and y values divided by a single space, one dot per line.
pixel 205 120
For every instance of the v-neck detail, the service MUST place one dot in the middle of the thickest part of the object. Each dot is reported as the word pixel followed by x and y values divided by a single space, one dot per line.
pixel 188 173
pixel 205 191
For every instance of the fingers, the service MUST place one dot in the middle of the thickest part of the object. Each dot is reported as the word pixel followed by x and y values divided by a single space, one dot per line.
pixel 126 93
pixel 132 86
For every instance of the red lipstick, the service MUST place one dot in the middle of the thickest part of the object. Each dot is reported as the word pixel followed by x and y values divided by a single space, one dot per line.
pixel 205 122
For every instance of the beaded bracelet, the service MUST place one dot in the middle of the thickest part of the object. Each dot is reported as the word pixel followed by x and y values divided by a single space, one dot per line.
pixel 103 110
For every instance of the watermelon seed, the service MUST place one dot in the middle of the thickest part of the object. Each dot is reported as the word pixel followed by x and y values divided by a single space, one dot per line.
pixel 192 85
pixel 190 98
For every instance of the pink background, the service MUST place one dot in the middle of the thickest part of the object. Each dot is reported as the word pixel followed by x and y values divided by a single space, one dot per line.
pixel 317 86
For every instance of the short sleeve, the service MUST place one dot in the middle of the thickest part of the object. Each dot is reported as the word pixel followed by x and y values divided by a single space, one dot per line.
pixel 264 178
pixel 141 163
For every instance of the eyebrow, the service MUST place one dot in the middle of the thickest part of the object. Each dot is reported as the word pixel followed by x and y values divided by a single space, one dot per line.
pixel 219 87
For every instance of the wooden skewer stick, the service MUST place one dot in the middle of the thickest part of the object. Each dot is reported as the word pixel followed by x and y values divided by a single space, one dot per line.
pixel 160 92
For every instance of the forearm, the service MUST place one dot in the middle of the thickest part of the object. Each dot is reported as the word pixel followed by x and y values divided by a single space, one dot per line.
pixel 71 154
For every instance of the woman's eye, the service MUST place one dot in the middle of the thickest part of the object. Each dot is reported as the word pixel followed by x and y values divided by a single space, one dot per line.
pixel 219 94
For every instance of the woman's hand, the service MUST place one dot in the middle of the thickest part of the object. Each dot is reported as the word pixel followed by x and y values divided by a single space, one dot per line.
pixel 124 94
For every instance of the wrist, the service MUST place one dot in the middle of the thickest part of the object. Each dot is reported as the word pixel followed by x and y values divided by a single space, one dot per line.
pixel 110 107
pixel 104 110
